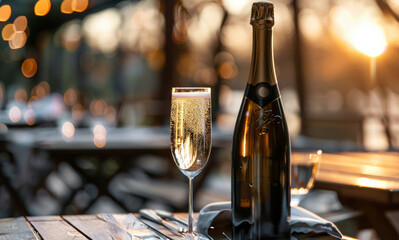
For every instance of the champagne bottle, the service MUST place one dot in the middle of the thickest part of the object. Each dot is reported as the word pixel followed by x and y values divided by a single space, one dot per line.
pixel 261 147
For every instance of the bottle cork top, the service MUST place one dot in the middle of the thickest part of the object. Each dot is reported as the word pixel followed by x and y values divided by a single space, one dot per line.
pixel 262 14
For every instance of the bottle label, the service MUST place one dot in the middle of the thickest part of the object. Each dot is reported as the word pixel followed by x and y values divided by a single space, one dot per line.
pixel 262 93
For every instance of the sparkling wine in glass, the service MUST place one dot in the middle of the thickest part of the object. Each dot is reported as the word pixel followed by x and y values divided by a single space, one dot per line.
pixel 190 136
pixel 304 167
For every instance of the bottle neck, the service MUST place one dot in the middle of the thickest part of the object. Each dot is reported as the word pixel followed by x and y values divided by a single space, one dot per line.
pixel 262 63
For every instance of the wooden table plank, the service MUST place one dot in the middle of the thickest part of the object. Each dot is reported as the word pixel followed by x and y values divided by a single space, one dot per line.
pixel 16 228
pixel 92 226
pixel 54 227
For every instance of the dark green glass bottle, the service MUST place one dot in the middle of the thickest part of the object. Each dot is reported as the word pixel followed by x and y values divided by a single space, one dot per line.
pixel 261 147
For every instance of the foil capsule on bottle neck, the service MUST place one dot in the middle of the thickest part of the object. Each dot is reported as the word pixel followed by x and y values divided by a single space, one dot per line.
pixel 262 14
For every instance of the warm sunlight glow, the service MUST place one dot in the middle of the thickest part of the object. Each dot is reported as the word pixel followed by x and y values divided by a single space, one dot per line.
pixel 5 13
pixel 29 67
pixel 299 191
pixel 21 95
pixel 373 183
pixel 368 38
pixel 68 130
pixel 15 114
pixel 42 7
pixel 235 7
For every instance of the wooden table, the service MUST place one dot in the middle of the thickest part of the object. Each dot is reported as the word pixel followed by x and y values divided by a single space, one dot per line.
pixel 82 227
pixel 367 182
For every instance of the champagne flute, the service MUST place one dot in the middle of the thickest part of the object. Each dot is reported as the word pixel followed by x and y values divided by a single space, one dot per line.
pixel 190 137
pixel 304 167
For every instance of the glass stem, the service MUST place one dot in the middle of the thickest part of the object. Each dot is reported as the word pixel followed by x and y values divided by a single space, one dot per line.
pixel 190 206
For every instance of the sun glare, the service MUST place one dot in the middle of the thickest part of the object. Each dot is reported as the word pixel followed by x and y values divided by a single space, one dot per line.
pixel 368 37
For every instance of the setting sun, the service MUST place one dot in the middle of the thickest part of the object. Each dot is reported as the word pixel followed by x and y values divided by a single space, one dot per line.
pixel 368 37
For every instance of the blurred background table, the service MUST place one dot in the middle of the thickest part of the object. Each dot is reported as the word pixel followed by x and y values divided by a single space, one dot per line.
pixel 365 182
pixel 134 166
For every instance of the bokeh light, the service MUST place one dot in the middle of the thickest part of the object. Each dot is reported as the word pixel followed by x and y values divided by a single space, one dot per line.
pixel 15 114
pixel 227 70
pixel 139 19
pixel 3 128
pixel 41 90
pixel 29 67
pixel 18 40
pixel 7 32
pixel 70 97
pixel 101 30
pixel 99 141
pixel 21 95
pixel 100 134
pixel 97 107
pixel 79 5
pixel 66 7
pixel 46 86
pixel 30 117
pixel 42 7
pixel 205 75
pixel 68 130
pixel 71 35
pixel 20 24
pixel 5 13
pixel 99 129
pixel 1 93
pixel 110 114
pixel 78 112
pixel 236 7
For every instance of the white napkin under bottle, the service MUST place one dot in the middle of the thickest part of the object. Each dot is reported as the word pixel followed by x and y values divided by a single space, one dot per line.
pixel 218 216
